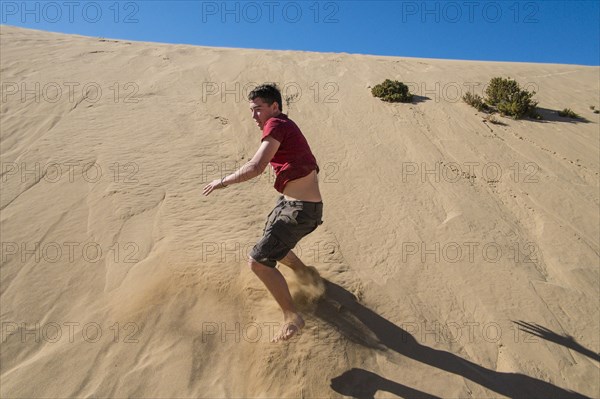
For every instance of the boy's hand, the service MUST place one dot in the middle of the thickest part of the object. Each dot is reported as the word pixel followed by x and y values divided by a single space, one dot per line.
pixel 213 185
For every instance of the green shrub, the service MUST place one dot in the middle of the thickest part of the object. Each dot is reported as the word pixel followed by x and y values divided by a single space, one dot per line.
pixel 475 100
pixel 392 91
pixel 568 113
pixel 509 99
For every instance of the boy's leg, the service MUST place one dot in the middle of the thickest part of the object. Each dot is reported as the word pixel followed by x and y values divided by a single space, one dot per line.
pixel 306 275
pixel 293 262
pixel 277 286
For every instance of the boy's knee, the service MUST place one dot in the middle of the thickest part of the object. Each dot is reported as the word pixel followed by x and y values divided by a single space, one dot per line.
pixel 256 267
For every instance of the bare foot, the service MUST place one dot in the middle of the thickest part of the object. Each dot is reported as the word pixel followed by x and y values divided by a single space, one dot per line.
pixel 292 324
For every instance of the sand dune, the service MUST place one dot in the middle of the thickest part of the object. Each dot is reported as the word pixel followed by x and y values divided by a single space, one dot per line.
pixel 461 257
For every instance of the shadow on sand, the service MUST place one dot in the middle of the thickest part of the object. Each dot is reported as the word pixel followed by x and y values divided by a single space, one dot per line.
pixel 361 383
pixel 419 99
pixel 359 324
pixel 564 340
pixel 551 115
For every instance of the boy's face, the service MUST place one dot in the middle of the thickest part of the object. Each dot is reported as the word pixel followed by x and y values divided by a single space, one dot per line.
pixel 262 112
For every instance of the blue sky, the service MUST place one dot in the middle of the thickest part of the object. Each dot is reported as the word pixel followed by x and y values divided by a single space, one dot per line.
pixel 565 32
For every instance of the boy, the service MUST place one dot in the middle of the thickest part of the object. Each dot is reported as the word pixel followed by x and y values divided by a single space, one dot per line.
pixel 298 211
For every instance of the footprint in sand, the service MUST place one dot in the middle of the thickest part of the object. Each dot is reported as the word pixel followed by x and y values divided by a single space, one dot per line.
pixel 224 121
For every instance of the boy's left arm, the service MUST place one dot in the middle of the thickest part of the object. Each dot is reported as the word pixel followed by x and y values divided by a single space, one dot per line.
pixel 251 169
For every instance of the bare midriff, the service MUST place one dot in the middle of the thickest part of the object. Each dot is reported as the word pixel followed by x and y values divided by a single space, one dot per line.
pixel 303 189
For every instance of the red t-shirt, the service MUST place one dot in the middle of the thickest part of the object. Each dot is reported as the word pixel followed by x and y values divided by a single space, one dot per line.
pixel 293 159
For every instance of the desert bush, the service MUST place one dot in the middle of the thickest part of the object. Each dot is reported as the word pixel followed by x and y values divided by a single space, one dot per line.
pixel 510 99
pixel 392 91
pixel 475 100
pixel 568 113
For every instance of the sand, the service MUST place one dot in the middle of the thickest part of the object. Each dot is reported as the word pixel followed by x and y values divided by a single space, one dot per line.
pixel 460 257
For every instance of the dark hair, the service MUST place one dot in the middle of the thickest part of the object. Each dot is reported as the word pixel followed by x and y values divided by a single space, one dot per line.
pixel 268 92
